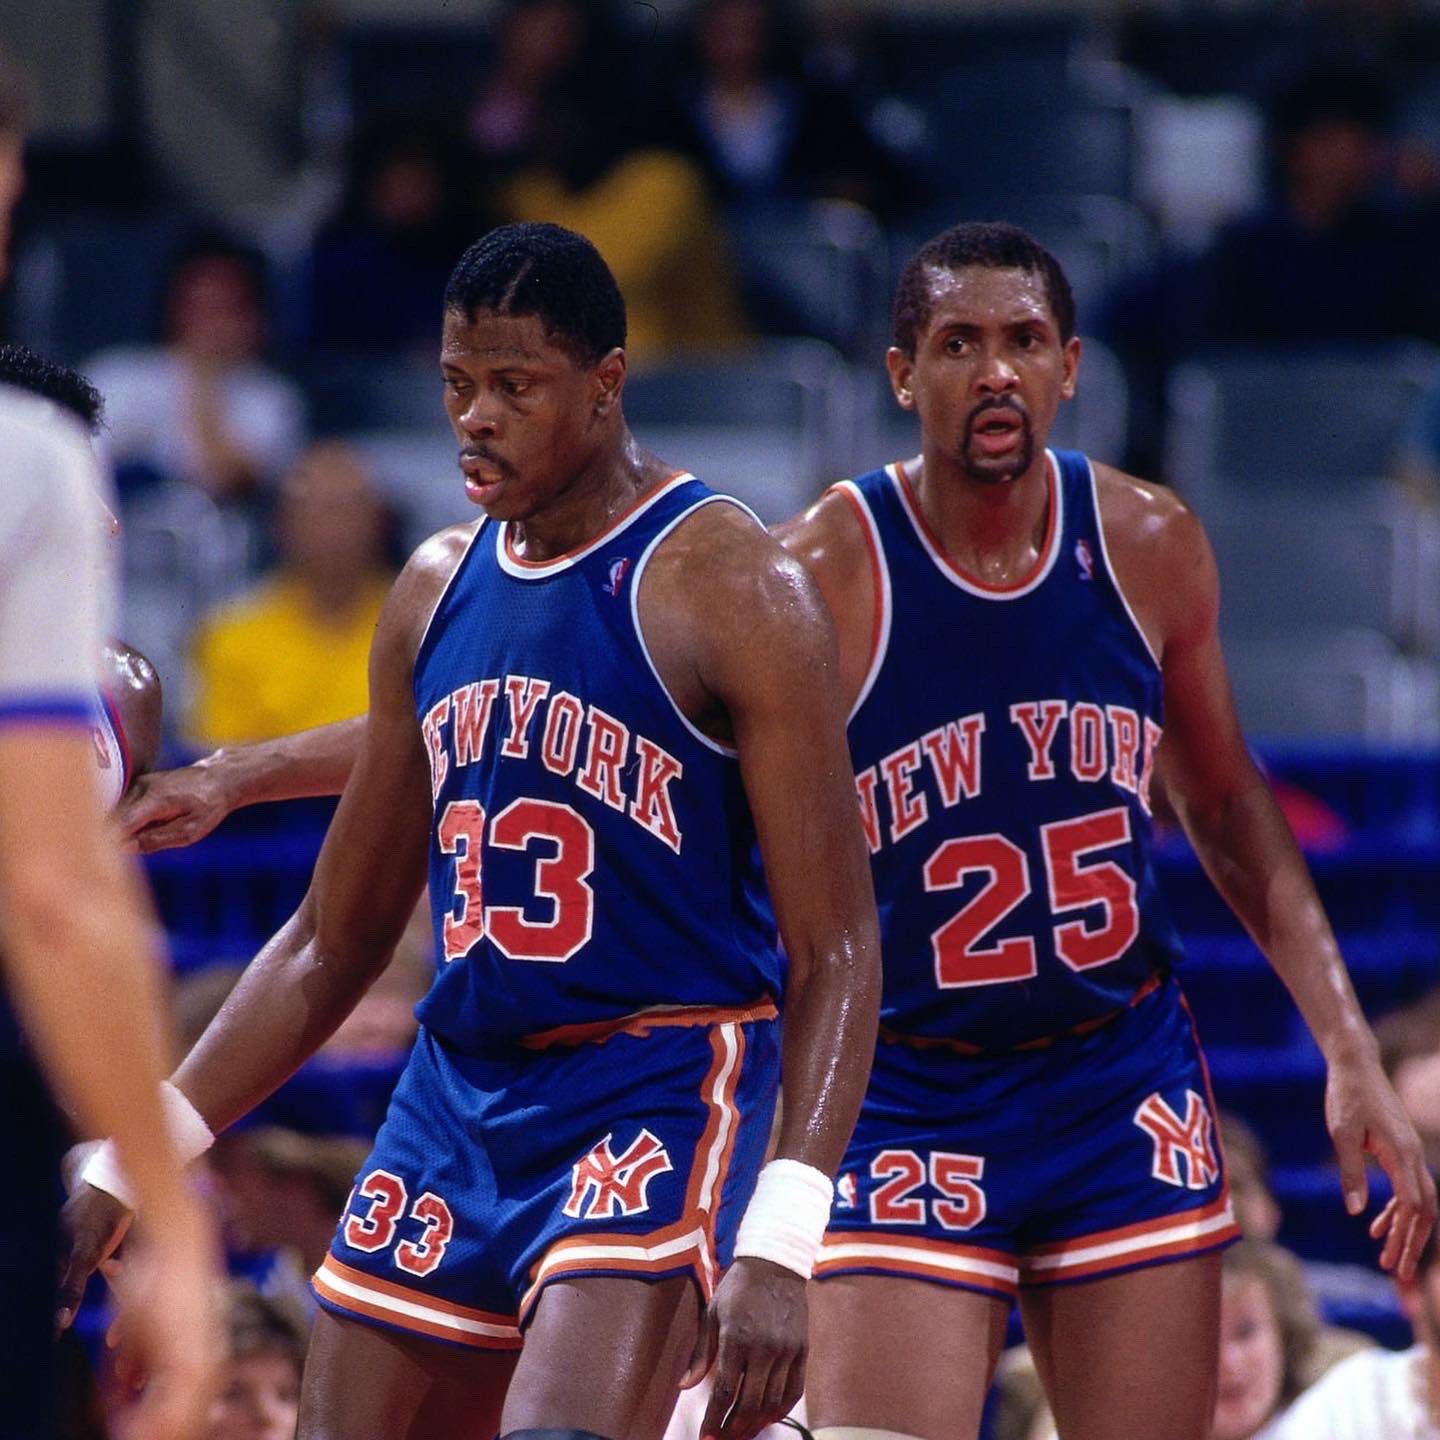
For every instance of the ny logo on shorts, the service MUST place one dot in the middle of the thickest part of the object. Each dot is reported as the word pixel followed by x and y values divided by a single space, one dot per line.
pixel 1187 1143
pixel 604 1184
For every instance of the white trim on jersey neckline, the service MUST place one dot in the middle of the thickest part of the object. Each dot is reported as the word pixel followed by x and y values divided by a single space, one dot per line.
pixel 953 573
pixel 543 569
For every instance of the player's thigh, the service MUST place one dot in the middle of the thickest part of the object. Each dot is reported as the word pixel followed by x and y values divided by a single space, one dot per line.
pixel 888 1353
pixel 367 1383
pixel 1131 1354
pixel 606 1354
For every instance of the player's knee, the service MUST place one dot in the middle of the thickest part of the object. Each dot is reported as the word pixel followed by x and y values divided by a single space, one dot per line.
pixel 858 1432
pixel 548 1434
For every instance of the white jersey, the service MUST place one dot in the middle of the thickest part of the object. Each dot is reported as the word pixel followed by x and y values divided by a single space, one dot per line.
pixel 1373 1395
pixel 55 581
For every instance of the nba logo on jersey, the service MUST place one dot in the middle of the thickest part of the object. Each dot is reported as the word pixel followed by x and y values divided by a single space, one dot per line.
pixel 604 1184
pixel 1084 559
pixel 616 575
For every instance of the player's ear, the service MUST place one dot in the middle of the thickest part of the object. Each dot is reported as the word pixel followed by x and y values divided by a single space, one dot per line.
pixel 609 379
pixel 902 368
pixel 1070 358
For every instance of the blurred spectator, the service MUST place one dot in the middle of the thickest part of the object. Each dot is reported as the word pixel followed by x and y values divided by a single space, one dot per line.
pixel 278 1194
pixel 761 125
pixel 292 652
pixel 556 128
pixel 1268 1328
pixel 201 406
pixel 260 1396
pixel 546 52
pixel 1326 258
pixel 1410 1052
pixel 1247 1168
pixel 1381 1394
pixel 378 267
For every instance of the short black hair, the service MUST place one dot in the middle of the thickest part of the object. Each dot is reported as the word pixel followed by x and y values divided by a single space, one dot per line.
pixel 991 245
pixel 25 370
pixel 549 272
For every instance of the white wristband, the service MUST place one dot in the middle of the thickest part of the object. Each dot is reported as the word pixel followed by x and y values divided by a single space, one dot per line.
pixel 786 1217
pixel 189 1134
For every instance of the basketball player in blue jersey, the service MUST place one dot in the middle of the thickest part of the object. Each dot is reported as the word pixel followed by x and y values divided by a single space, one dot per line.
pixel 1016 625
pixel 585 709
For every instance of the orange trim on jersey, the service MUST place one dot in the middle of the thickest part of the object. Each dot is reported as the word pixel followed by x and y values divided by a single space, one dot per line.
pixel 653 493
pixel 704 1189
pixel 912 503
pixel 964 1047
pixel 969 1265
pixel 338 1283
pixel 642 1022
pixel 1144 1243
pixel 877 574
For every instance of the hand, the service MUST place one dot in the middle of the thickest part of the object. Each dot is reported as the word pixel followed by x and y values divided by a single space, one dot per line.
pixel 1365 1116
pixel 93 1224
pixel 174 807
pixel 167 1335
pixel 753 1334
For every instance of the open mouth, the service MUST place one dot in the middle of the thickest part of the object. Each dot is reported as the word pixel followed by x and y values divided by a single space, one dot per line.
pixel 997 431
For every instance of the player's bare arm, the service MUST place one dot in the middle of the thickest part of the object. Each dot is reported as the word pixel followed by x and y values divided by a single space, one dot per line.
pixel 828 540
pixel 743 641
pixel 369 875
pixel 134 686
pixel 1165 564
pixel 178 807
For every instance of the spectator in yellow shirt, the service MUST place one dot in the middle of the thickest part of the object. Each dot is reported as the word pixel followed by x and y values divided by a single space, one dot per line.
pixel 292 652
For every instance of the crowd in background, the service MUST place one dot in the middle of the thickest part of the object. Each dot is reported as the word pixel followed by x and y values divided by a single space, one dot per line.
pixel 674 148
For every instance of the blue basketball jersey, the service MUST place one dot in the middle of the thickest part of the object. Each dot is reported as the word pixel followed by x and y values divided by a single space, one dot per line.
pixel 1003 745
pixel 593 853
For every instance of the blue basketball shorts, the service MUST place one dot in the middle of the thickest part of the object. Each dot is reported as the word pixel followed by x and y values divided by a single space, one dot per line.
pixel 633 1153
pixel 1091 1156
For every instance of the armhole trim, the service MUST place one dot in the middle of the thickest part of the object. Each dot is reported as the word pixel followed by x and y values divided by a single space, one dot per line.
pixel 444 595
pixel 709 742
pixel 1110 568
pixel 884 598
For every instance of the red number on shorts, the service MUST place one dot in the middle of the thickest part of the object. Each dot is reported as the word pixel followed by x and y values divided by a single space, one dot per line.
pixel 559 878
pixel 459 832
pixel 889 1204
pixel 954 1176
pixel 959 960
pixel 421 1256
pixel 1074 886
pixel 376 1228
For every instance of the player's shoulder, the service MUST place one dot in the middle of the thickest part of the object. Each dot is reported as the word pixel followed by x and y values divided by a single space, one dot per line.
pixel 422 583
pixel 828 538
pixel 1144 515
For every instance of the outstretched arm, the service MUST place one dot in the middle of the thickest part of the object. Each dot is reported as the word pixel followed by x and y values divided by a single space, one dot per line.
pixel 179 807
pixel 1248 851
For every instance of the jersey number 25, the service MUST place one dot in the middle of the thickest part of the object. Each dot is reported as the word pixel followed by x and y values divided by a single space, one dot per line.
pixel 1075 883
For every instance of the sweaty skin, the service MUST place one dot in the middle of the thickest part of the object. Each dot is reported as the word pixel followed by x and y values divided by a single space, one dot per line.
pixel 742 640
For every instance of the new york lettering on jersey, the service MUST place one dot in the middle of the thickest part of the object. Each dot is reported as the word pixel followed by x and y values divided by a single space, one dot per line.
pixel 1006 794
pixel 566 783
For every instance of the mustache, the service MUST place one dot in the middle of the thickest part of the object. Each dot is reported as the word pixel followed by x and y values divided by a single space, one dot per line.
pixel 487 456
pixel 988 407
